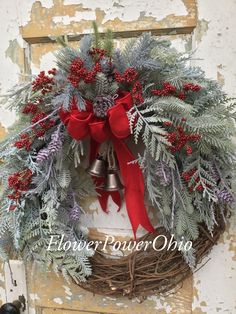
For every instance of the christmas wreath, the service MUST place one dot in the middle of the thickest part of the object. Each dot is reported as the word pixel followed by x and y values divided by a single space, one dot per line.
pixel 183 124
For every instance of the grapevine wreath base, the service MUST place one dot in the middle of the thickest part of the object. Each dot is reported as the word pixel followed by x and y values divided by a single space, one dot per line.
pixel 143 273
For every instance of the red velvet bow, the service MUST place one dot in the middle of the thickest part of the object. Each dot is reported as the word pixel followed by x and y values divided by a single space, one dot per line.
pixel 115 127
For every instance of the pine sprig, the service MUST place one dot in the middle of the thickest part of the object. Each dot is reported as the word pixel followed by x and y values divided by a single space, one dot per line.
pixel 108 43
pixel 152 133
pixel 97 37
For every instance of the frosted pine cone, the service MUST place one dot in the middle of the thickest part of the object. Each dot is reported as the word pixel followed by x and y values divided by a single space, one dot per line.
pixel 101 105
pixel 224 196
pixel 43 154
pixel 215 173
pixel 163 172
pixel 56 142
pixel 75 213
pixel 54 146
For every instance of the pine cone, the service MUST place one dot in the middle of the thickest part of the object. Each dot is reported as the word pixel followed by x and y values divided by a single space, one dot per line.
pixel 101 105
pixel 75 213
pixel 164 174
pixel 42 155
pixel 54 146
pixel 56 142
pixel 215 173
pixel 224 196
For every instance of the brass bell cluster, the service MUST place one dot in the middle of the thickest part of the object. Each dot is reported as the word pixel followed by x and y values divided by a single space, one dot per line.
pixel 105 166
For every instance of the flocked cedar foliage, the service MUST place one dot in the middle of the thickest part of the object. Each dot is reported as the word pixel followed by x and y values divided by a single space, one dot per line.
pixel 186 182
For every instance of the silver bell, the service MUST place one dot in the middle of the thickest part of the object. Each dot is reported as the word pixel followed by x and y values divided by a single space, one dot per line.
pixel 98 167
pixel 113 182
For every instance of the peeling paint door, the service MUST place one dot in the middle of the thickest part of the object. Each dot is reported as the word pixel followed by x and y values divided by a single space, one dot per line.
pixel 30 47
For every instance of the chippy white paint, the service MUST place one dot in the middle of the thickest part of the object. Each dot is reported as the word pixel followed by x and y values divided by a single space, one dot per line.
pixel 67 291
pixel 58 300
pixel 218 43
pixel 215 282
pixel 47 3
pixel 32 310
pixel 122 9
pixel 1 278
pixel 3 298
pixel 126 11
pixel 34 296
pixel 9 73
pixel 24 8
pixel 216 52
pixel 120 304
pixel 47 62
pixel 84 15
pixel 161 303
pixel 109 298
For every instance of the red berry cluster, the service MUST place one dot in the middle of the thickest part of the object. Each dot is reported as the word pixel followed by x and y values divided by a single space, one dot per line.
pixel 129 76
pixel 191 87
pixel 19 182
pixel 90 75
pixel 43 126
pixel 39 130
pixel 78 72
pixel 24 142
pixel 181 95
pixel 30 108
pixel 180 139
pixel 137 92
pixel 38 114
pixel 44 82
pixel 97 53
pixel 187 175
pixel 167 123
pixel 170 90
pixel 119 77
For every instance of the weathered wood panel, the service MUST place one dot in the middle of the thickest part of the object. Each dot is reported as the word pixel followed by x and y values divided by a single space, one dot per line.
pixel 123 17
pixel 49 290
pixel 60 311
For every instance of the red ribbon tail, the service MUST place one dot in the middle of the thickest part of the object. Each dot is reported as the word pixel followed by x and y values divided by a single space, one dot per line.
pixel 103 199
pixel 134 187
pixel 137 211
pixel 116 199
